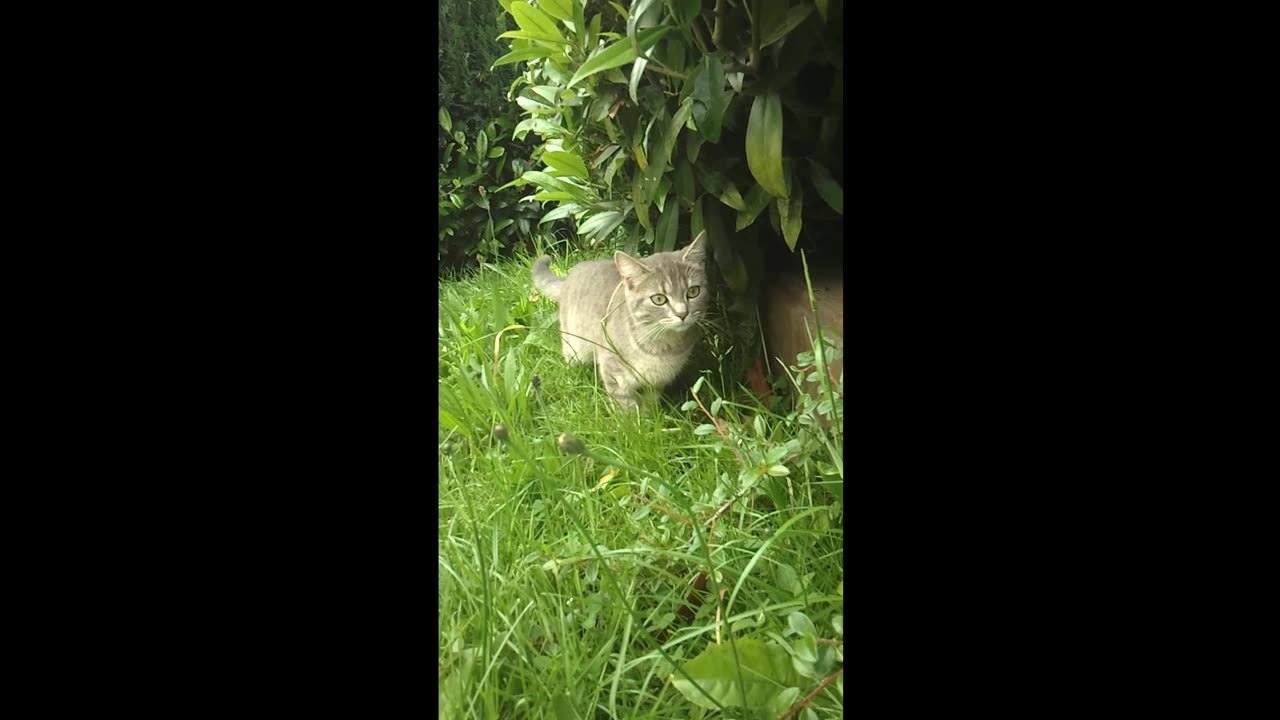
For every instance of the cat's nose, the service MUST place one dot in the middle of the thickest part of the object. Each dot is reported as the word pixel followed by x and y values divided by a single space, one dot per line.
pixel 680 312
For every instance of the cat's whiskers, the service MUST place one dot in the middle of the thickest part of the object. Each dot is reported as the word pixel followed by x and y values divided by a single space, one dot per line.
pixel 649 330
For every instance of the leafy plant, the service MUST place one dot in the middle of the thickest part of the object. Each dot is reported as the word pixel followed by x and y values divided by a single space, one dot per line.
pixel 473 92
pixel 662 119
pixel 476 221
pixel 475 154
pixel 727 109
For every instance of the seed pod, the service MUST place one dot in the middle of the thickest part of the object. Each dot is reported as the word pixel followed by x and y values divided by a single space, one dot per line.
pixel 500 432
pixel 570 444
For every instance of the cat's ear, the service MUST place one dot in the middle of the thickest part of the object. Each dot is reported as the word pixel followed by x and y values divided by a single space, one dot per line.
pixel 629 268
pixel 696 252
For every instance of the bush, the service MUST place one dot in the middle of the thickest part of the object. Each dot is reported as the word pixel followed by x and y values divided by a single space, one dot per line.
pixel 473 92
pixel 474 154
pixel 476 221
pixel 725 110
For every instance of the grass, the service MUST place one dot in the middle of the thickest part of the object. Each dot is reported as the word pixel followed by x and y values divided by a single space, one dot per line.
pixel 568 582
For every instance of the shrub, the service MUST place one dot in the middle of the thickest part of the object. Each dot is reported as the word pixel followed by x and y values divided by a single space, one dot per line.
pixel 695 124
pixel 724 111
pixel 474 154
pixel 473 214
pixel 473 92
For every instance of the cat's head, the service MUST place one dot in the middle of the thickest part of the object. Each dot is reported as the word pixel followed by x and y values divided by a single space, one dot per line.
pixel 668 290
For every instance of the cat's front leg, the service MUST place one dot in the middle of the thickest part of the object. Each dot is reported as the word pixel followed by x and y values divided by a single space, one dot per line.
pixel 616 379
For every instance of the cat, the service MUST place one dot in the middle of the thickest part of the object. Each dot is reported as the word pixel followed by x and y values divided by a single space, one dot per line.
pixel 652 311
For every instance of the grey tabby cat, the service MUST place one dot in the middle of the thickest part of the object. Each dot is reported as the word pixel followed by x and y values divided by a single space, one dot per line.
pixel 651 310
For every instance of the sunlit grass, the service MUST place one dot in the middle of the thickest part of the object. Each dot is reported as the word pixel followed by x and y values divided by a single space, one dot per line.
pixel 564 577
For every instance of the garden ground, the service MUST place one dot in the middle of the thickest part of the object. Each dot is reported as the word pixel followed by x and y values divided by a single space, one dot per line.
pixel 676 551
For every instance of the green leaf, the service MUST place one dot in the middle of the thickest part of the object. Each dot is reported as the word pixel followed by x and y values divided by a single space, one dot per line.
pixel 642 16
pixel 447 418
pixel 704 429
pixel 789 580
pixel 801 624
pixel 685 11
pixel 538 125
pixel 580 23
pixel 518 182
pixel 528 36
pixel 641 159
pixel 532 101
pixel 618 54
pixel 837 624
pixel 692 146
pixel 664 188
pixel 601 224
pixel 755 203
pixel 601 157
pixel 496 151
pixel 482 144
pixel 544 180
pixel 641 200
pixel 708 217
pixel 566 163
pixel 446 122
pixel 562 211
pixel 593 32
pixel 563 705
pixel 763 671
pixel 525 54
pixel 660 159
pixel 637 72
pixel 794 17
pixel 822 8
pixel 557 195
pixel 668 228
pixel 615 165
pixel 827 187
pixel 558 9
pixel 804 656
pixel 684 182
pixel 731 197
pixel 789 215
pixel 778 471
pixel 764 144
pixel 621 10
pixel 708 97
pixel 536 22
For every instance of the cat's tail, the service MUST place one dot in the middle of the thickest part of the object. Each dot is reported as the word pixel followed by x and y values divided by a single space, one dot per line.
pixel 545 280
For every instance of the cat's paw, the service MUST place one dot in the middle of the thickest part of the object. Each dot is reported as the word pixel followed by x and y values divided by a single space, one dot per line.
pixel 628 402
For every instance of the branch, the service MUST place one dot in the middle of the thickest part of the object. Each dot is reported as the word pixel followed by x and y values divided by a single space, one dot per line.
pixel 711 524
pixel 809 698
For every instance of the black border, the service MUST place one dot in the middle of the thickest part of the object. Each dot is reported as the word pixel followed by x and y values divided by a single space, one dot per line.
pixel 281 354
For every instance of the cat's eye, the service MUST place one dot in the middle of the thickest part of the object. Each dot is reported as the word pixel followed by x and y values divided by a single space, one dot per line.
pixel 693 292
pixel 658 299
